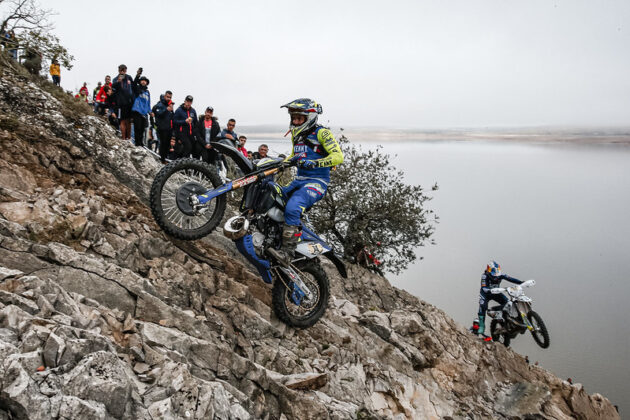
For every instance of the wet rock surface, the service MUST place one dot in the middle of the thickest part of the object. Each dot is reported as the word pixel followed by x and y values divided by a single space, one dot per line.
pixel 103 316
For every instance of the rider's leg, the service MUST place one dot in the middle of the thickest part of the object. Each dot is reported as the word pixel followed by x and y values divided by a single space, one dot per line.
pixel 303 195
pixel 481 314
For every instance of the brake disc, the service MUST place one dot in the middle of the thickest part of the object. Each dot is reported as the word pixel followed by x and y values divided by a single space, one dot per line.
pixel 183 197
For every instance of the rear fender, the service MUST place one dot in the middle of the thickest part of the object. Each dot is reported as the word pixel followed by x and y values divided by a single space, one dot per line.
pixel 341 267
pixel 239 158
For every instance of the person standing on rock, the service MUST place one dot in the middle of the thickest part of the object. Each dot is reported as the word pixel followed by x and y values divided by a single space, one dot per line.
pixel 185 126
pixel 316 152
pixel 208 130
pixel 55 72
pixel 163 112
pixel 141 107
pixel 123 91
pixel 490 279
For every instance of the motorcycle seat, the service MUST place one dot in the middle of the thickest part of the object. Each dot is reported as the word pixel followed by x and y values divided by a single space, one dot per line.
pixel 496 308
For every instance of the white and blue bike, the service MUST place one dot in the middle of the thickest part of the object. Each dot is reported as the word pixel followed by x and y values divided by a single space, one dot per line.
pixel 188 201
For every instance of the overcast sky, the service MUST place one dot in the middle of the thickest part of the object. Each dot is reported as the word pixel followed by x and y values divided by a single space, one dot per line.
pixel 410 64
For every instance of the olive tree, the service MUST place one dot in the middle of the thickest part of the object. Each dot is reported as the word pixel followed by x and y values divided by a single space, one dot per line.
pixel 367 203
pixel 33 31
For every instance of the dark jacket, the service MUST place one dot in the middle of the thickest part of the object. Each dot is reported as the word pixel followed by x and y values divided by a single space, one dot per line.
pixel 181 127
pixel 123 91
pixel 163 117
pixel 202 138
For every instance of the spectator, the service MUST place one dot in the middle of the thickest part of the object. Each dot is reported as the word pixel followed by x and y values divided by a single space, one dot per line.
pixel 123 92
pixel 111 110
pixel 141 107
pixel 99 103
pixel 241 145
pixel 262 152
pixel 12 44
pixel 96 90
pixel 208 130
pixel 250 156
pixel 185 126
pixel 55 72
pixel 163 112
pixel 228 133
pixel 83 93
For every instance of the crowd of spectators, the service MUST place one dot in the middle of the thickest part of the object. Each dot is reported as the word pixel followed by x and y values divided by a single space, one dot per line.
pixel 171 131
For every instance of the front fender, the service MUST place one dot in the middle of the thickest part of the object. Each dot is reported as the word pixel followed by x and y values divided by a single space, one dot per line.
pixel 239 158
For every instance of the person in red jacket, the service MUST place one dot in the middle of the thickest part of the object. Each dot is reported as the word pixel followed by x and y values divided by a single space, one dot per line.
pixel 241 145
pixel 101 97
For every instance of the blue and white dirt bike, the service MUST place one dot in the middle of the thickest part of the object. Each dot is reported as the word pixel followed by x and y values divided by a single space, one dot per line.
pixel 188 200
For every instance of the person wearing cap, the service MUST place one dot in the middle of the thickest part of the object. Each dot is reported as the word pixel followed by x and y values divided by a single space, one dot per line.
pixel 208 130
pixel 123 92
pixel 141 107
pixel 185 126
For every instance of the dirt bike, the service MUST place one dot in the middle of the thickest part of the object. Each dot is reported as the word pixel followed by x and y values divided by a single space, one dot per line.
pixel 366 259
pixel 516 317
pixel 188 201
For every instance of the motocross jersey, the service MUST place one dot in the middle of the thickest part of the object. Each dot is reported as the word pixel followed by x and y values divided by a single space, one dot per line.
pixel 489 281
pixel 321 147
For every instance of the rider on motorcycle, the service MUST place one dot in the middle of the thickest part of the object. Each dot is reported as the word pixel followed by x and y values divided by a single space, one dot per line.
pixel 490 279
pixel 316 152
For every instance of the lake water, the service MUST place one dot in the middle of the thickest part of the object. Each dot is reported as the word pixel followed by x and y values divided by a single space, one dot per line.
pixel 557 213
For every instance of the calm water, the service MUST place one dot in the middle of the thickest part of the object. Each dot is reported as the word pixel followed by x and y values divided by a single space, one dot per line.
pixel 555 213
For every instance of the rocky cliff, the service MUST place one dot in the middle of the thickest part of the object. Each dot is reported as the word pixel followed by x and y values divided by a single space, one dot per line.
pixel 103 316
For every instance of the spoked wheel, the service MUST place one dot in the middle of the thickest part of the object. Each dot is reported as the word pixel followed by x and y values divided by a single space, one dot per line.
pixel 540 333
pixel 170 199
pixel 310 310
pixel 502 337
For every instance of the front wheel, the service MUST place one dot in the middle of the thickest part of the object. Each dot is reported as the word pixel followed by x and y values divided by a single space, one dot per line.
pixel 502 337
pixel 310 310
pixel 170 199
pixel 540 333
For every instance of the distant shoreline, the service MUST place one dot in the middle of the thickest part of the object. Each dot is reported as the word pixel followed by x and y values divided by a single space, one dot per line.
pixel 529 136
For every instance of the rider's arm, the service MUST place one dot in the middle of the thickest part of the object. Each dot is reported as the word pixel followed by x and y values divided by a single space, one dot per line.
pixel 510 279
pixel 328 142
pixel 484 284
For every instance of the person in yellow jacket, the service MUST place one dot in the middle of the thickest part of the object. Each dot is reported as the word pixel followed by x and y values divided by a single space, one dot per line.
pixel 55 72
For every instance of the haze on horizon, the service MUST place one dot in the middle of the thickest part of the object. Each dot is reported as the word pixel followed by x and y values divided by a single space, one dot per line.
pixel 406 64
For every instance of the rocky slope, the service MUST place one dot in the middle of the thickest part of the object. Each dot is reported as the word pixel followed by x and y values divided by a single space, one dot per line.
pixel 103 316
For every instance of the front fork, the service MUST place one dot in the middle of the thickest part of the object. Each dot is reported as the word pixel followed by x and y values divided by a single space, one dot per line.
pixel 300 290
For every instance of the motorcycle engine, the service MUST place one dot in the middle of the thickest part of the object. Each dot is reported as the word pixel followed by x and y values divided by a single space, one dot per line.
pixel 258 239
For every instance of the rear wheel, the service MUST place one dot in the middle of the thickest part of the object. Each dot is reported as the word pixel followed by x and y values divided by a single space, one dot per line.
pixel 310 310
pixel 501 337
pixel 170 193
pixel 540 333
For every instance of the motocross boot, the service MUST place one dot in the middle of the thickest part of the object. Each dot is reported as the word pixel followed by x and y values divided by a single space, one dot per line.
pixel 290 238
pixel 482 325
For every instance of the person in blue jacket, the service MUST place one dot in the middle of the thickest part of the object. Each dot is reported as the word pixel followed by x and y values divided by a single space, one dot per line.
pixel 141 107
pixel 490 279
pixel 316 151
